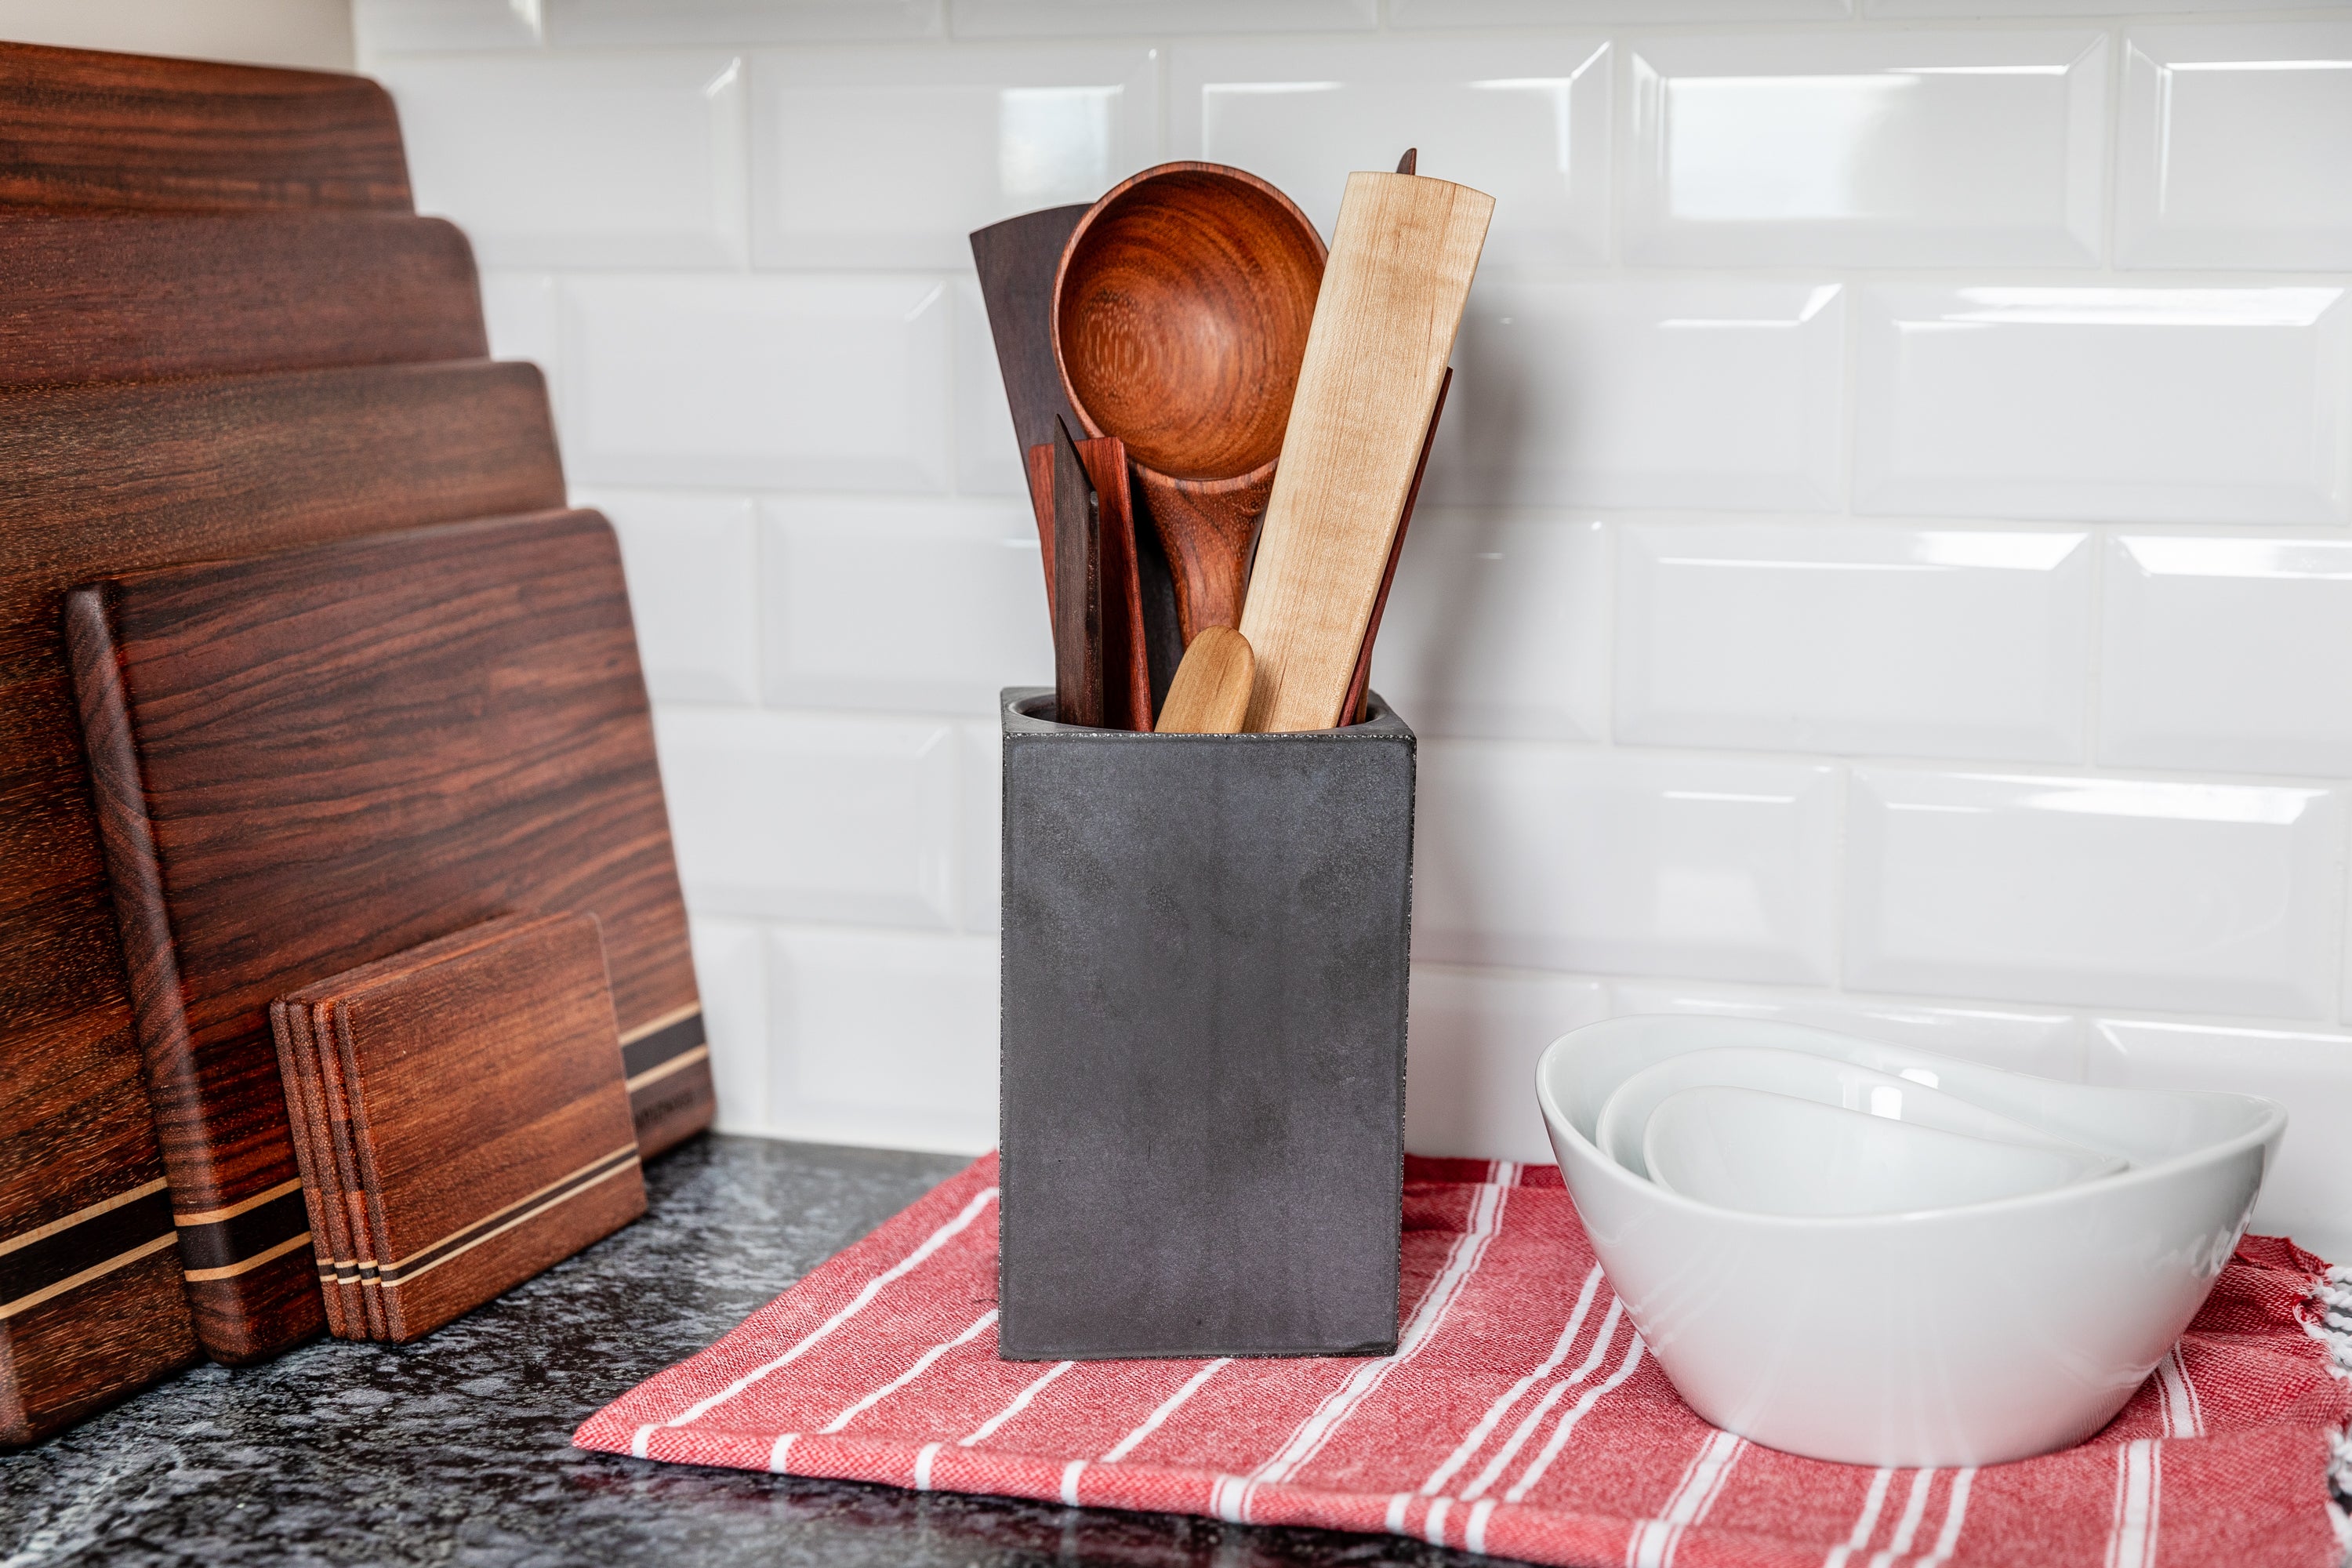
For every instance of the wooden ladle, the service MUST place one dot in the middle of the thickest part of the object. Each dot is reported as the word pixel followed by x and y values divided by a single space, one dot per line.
pixel 1180 317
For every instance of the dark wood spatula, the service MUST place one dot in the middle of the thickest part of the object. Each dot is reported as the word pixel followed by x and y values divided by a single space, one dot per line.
pixel 1078 588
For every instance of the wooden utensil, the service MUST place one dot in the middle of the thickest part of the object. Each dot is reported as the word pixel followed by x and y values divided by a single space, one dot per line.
pixel 1357 706
pixel 487 1107
pixel 1181 311
pixel 1078 588
pixel 1402 255
pixel 1212 692
pixel 99 296
pixel 85 128
pixel 1128 677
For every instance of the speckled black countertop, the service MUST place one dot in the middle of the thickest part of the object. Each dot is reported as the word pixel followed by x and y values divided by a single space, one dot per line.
pixel 458 1449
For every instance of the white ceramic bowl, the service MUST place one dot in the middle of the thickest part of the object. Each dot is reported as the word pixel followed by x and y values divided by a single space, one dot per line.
pixel 1752 1150
pixel 1805 1075
pixel 1957 1336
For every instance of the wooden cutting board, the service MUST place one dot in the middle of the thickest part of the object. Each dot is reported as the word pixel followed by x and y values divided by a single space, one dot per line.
pixel 485 1100
pixel 1402 255
pixel 80 128
pixel 310 761
pixel 107 478
pixel 99 296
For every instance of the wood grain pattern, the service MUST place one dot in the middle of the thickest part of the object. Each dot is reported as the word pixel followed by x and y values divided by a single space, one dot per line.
pixel 99 296
pixel 306 1111
pixel 114 478
pixel 1212 692
pixel 1126 658
pixel 1078 588
pixel 80 128
pixel 1181 311
pixel 1016 261
pixel 1402 255
pixel 1356 707
pixel 317 758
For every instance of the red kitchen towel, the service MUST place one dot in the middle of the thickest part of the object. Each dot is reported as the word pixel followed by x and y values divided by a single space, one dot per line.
pixel 1520 1414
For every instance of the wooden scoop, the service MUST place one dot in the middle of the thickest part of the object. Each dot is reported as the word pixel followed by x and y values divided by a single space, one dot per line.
pixel 1180 314
pixel 1212 689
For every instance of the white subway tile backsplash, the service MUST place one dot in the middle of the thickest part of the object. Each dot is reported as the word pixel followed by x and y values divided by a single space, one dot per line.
pixel 2019 1039
pixel 1560 12
pixel 2233 150
pixel 1498 626
pixel 1827 638
pixel 731 972
pixel 693 590
pixel 809 383
pixel 1686 392
pixel 984 826
pixel 1870 148
pixel 2227 654
pixel 2174 404
pixel 2307 1190
pixel 1081 18
pixel 883 1038
pixel 611 161
pixel 987 453
pixel 2038 9
pixel 926 606
pixel 1475 1035
pixel 2107 892
pixel 813 816
pixel 519 312
pixel 576 23
pixel 1547 857
pixel 891 157
pixel 1525 121
pixel 386 26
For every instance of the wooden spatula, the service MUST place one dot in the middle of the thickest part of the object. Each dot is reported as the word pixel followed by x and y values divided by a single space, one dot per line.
pixel 1211 688
pixel 1078 588
pixel 1402 255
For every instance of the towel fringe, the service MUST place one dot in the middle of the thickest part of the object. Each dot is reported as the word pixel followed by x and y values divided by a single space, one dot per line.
pixel 2330 1323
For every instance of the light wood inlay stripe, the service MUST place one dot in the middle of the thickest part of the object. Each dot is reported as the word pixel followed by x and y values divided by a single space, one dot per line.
pixel 256 1260
pixel 27 1303
pixel 656 1025
pixel 387 1276
pixel 214 1216
pixel 683 1059
pixel 572 1175
pixel 42 1232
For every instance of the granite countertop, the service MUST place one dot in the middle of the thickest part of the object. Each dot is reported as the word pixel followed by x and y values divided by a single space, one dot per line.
pixel 458 1449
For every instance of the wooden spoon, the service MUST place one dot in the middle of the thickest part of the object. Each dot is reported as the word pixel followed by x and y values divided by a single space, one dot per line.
pixel 1212 689
pixel 1181 313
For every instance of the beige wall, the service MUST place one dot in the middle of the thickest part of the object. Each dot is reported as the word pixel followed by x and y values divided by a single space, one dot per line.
pixel 314 33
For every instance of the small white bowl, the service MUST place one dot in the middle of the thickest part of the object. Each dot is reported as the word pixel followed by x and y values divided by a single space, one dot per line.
pixel 1805 1075
pixel 1761 1153
pixel 1955 1336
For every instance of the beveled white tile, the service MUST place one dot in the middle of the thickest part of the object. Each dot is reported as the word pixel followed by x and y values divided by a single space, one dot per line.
pixel 987 453
pixel 1080 18
pixel 2307 1190
pixel 809 381
pixel 2038 9
pixel 884 1039
pixel 730 973
pixel 891 157
pixel 1869 149
pixel 576 23
pixel 1470 1087
pixel 2106 892
pixel 984 826
pixel 693 590
pixel 2233 146
pixel 1524 120
pixel 519 312
pixel 814 816
pixel 2114 404
pixel 629 160
pixel 1843 639
pixel 2227 654
pixel 1560 12
pixel 931 606
pixel 386 26
pixel 1690 393
pixel 2019 1039
pixel 1498 626
pixel 1547 857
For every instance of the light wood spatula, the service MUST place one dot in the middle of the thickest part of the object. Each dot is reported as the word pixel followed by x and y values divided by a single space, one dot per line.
pixel 1402 255
pixel 1211 688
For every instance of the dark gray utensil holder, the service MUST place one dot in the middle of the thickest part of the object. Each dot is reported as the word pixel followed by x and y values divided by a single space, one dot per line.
pixel 1203 1033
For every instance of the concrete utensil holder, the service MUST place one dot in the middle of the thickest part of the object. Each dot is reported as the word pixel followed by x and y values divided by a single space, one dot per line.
pixel 1204 979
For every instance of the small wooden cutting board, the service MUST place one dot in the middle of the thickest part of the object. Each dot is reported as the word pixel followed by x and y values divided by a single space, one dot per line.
pixel 1402 255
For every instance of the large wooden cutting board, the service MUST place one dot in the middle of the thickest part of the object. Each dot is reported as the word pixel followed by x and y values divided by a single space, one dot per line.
pixel 109 479
pixel 80 128
pixel 102 296
pixel 310 761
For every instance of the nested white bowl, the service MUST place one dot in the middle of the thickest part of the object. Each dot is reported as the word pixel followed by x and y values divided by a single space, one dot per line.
pixel 1970 1335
